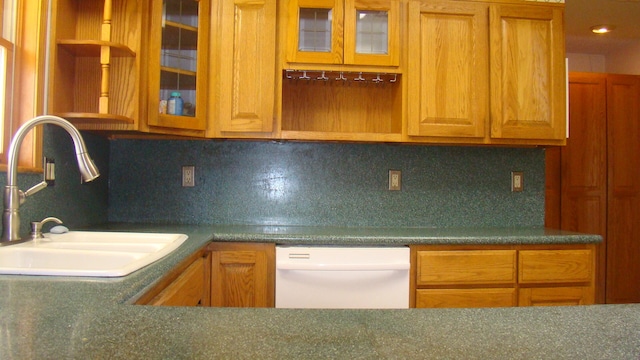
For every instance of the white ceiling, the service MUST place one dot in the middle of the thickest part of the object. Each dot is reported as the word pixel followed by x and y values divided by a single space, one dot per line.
pixel 580 15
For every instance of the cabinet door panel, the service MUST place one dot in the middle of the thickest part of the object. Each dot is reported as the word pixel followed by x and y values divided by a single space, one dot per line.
pixel 178 62
pixel 187 289
pixel 356 10
pixel 247 66
pixel 448 69
pixel 297 51
pixel 623 228
pixel 465 298
pixel 466 267
pixel 528 83
pixel 242 275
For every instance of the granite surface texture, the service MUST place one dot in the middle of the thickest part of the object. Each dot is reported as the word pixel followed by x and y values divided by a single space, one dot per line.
pixel 327 235
pixel 89 318
pixel 324 184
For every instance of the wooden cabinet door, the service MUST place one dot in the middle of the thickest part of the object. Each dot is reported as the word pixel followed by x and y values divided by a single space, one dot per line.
pixel 623 227
pixel 357 10
pixel 556 296
pixel 178 62
pixel 242 274
pixel 527 64
pixel 315 31
pixel 448 76
pixel 185 285
pixel 188 289
pixel 247 72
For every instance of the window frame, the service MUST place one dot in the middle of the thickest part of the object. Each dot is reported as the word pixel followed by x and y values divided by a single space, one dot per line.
pixel 26 92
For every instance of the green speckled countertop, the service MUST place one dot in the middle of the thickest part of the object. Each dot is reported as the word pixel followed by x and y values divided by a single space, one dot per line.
pixel 326 235
pixel 88 318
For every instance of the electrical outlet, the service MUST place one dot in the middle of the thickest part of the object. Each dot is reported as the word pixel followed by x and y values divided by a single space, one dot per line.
pixel 188 176
pixel 517 181
pixel 395 180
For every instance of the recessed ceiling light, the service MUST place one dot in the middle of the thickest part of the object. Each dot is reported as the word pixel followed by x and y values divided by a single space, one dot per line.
pixel 602 29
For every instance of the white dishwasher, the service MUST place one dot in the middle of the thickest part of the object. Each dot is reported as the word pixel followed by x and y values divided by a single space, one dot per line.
pixel 342 277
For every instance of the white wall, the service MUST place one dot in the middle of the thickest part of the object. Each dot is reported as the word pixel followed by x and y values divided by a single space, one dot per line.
pixel 617 60
pixel 587 62
pixel 624 61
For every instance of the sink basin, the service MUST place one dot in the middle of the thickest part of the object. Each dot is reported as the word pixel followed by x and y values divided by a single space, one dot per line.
pixel 88 253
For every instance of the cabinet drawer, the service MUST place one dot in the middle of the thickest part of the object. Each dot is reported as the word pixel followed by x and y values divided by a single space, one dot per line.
pixel 465 298
pixel 555 266
pixel 186 290
pixel 556 296
pixel 466 267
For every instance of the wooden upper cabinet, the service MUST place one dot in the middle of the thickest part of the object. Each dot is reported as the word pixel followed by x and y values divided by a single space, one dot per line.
pixel 528 82
pixel 448 76
pixel 178 62
pixel 245 94
pixel 353 32
pixel 95 66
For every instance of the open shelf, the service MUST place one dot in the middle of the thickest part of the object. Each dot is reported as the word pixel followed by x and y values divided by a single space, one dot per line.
pixel 342 106
pixel 92 48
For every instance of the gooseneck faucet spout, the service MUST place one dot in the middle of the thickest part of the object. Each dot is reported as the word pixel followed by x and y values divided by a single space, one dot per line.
pixel 13 197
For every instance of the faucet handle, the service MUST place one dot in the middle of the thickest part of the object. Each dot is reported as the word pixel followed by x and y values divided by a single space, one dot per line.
pixel 36 226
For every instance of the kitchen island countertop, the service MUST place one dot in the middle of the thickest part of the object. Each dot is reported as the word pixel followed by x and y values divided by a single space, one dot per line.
pixel 82 318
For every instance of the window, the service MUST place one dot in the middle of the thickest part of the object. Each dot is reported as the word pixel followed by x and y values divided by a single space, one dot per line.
pixel 22 64
pixel 7 40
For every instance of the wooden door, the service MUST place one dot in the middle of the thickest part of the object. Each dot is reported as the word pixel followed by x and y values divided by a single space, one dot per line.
pixel 583 163
pixel 353 10
pixel 247 71
pixel 528 89
pixel 309 21
pixel 448 78
pixel 178 62
pixel 242 274
pixel 623 225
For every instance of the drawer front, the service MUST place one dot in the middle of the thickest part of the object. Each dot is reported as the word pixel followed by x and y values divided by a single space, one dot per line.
pixel 556 296
pixel 555 266
pixel 465 298
pixel 466 267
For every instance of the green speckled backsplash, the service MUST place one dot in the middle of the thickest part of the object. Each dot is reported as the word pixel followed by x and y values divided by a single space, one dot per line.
pixel 77 205
pixel 333 184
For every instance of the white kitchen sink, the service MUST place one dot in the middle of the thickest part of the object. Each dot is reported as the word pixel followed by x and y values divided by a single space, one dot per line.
pixel 88 253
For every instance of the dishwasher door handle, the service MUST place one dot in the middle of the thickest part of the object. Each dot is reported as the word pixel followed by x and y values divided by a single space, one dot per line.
pixel 342 267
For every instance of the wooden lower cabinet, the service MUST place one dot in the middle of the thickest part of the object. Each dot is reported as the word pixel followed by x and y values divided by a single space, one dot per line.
pixel 186 285
pixel 242 274
pixel 502 276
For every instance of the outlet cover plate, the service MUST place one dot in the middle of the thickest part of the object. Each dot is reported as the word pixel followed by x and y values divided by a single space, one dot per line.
pixel 395 180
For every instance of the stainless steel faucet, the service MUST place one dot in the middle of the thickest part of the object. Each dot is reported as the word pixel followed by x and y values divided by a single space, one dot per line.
pixel 13 197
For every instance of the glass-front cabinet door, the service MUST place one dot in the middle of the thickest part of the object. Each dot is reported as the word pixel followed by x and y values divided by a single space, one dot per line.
pixel 356 32
pixel 315 31
pixel 372 32
pixel 178 64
